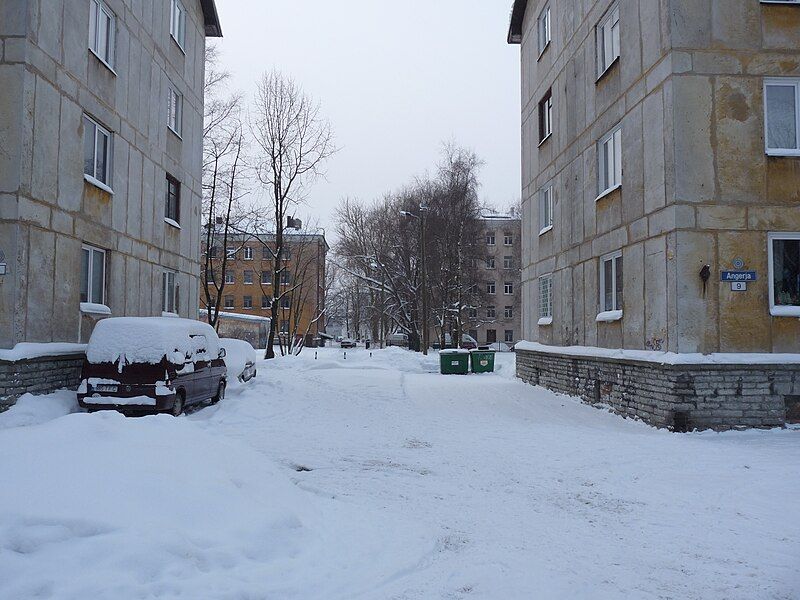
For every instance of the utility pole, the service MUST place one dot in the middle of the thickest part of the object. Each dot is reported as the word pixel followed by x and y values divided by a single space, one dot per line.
pixel 425 342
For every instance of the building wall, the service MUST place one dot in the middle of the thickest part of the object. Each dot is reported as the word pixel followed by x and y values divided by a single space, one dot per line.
pixel 48 210
pixel 697 187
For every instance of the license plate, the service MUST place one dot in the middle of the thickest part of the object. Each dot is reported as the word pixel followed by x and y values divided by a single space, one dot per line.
pixel 455 363
pixel 105 387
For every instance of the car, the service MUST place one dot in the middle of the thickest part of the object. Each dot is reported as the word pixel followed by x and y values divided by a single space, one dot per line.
pixel 240 358
pixel 150 365
pixel 397 339
pixel 467 341
pixel 348 343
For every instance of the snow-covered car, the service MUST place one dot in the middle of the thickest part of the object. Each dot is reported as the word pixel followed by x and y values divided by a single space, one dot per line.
pixel 397 339
pixel 348 343
pixel 146 365
pixel 240 358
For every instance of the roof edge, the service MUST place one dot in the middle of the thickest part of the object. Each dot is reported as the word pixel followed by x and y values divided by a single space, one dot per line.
pixel 211 18
pixel 517 16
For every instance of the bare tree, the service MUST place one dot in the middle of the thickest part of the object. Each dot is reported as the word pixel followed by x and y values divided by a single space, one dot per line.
pixel 292 142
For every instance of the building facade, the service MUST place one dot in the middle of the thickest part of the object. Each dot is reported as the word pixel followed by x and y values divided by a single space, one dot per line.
pixel 247 286
pixel 498 318
pixel 661 184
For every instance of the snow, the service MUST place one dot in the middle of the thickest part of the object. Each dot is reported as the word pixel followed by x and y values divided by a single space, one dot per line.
pixel 237 354
pixel 665 358
pixel 95 309
pixel 148 340
pixel 609 316
pixel 30 350
pixel 373 477
pixel 239 316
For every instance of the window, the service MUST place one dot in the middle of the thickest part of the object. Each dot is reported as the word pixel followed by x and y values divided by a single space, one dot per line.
pixel 286 302
pixel 611 285
pixel 508 239
pixel 102 31
pixel 287 253
pixel 609 151
pixel 490 262
pixel 546 299
pixel 508 313
pixel 509 335
pixel 248 253
pixel 784 274
pixel 543 28
pixel 248 278
pixel 247 302
pixel 229 302
pixel 230 277
pixel 266 302
pixel 472 313
pixel 212 253
pixel 608 40
pixel 490 238
pixel 491 312
pixel 490 288
pixel 286 277
pixel 175 110
pixel 266 253
pixel 172 209
pixel 177 23
pixel 782 116
pixel 210 278
pixel 508 262
pixel 231 252
pixel 284 326
pixel 266 277
pixel 508 288
pixel 96 152
pixel 93 275
pixel 546 116
pixel 546 210
pixel 169 292
pixel 491 336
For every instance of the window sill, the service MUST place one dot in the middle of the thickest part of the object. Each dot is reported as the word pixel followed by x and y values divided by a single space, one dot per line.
pixel 778 152
pixel 785 311
pixel 103 62
pixel 172 223
pixel 98 184
pixel 545 230
pixel 544 139
pixel 608 192
pixel 171 315
pixel 90 308
pixel 177 43
pixel 609 316
pixel 542 51
pixel 545 321
pixel 606 71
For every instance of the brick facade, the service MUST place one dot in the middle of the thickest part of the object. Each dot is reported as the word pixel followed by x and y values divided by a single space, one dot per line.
pixel 38 376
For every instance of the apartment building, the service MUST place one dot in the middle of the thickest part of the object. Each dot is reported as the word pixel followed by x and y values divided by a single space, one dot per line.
pixel 497 320
pixel 661 205
pixel 101 120
pixel 247 287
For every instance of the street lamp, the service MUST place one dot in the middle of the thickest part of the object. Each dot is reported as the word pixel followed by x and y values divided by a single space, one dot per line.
pixel 421 218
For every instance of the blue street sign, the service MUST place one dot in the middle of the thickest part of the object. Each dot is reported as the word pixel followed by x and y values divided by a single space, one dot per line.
pixel 736 276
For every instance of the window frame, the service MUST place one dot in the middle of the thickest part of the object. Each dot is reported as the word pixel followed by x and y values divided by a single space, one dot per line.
pixel 508 312
pixel 508 239
pixel 508 262
pixel 165 304
pixel 793 82
pixel 251 277
pixel 176 217
pixel 491 238
pixel 99 9
pixel 778 310
pixel 613 313
pixel 90 299
pixel 174 110
pixel 225 301
pixel 544 29
pixel 508 335
pixel 177 30
pixel 109 162
pixel 248 253
pixel 546 317
pixel 491 288
pixel 604 186
pixel 491 311
pixel 612 17
pixel 230 277
pixel 245 300
pixel 546 117
pixel 545 209
pixel 490 263
pixel 266 302
pixel 508 288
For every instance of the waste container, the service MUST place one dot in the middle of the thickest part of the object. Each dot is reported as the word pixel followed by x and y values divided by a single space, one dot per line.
pixel 454 362
pixel 482 361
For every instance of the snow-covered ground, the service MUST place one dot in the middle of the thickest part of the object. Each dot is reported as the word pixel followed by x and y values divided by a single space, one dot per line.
pixel 376 478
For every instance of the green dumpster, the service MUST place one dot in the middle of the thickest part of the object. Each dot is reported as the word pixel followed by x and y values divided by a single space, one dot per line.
pixel 454 362
pixel 482 361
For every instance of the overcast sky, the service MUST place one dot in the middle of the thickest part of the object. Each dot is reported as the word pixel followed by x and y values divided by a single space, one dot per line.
pixel 396 79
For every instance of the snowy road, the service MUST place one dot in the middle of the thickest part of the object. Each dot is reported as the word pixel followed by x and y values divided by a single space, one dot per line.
pixel 376 478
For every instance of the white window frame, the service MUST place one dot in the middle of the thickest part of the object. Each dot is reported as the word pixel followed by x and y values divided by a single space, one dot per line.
pixel 225 301
pixel 509 335
pixel 546 210
pixel 508 288
pixel 614 312
pixel 490 263
pixel 266 302
pixel 546 117
pixel 491 311
pixel 177 23
pixel 244 302
pixel 252 277
pixel 491 288
pixel 90 299
pixel 508 312
pixel 546 307
pixel 544 29
pixel 778 310
pixel 608 42
pixel 508 239
pixel 793 82
pixel 96 130
pixel 174 110
pixel 106 56
pixel 508 262
pixel 230 277
pixel 491 238
pixel 169 305
pixel 248 253
pixel 609 174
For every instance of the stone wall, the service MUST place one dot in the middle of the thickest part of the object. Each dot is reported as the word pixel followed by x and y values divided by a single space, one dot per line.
pixel 683 397
pixel 38 376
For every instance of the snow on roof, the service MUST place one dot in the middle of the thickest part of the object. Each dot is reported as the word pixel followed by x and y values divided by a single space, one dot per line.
pixel 148 340
pixel 487 216
pixel 30 350
pixel 664 358
pixel 239 316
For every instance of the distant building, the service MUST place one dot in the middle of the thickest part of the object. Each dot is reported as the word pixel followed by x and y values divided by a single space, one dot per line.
pixel 101 120
pixel 249 287
pixel 661 204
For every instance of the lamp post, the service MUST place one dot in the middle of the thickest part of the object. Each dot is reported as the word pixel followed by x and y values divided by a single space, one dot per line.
pixel 421 218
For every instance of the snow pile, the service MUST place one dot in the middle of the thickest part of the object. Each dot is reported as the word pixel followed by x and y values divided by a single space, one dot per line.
pixel 149 340
pixel 30 350
pixel 238 354
pixel 32 410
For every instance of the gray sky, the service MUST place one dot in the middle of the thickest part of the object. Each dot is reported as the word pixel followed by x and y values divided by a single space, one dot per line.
pixel 396 79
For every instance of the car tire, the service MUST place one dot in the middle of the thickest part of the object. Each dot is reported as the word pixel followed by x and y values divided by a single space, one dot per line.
pixel 220 393
pixel 178 405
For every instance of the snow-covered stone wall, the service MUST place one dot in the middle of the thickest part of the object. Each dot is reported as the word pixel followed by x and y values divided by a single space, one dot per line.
pixel 38 376
pixel 683 396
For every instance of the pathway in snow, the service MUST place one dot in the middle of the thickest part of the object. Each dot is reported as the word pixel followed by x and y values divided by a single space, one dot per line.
pixel 376 478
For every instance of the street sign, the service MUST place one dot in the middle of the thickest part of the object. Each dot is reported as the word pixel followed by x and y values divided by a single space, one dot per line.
pixel 738 286
pixel 738 276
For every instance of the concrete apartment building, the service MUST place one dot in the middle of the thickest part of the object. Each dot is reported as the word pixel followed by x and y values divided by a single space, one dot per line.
pixel 249 287
pixel 661 205
pixel 499 317
pixel 101 120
